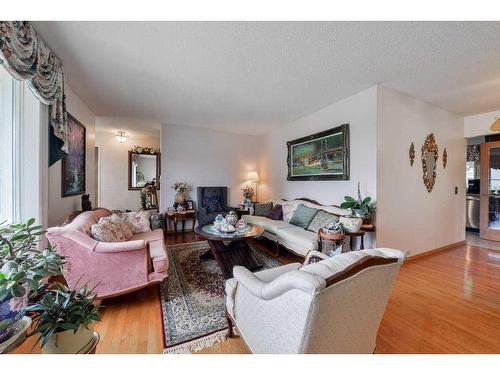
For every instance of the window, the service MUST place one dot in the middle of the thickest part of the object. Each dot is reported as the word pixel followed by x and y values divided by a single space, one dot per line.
pixel 6 149
pixel 23 152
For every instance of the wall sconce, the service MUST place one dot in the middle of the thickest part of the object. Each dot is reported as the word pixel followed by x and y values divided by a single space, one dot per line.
pixel 254 177
pixel 121 136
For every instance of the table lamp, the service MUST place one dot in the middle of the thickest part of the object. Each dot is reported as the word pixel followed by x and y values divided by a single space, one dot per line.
pixel 254 177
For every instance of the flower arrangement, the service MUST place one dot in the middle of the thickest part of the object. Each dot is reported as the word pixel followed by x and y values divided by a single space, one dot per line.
pixel 180 186
pixel 248 192
pixel 145 150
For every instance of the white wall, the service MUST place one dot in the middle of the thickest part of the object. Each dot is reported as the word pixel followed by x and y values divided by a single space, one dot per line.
pixel 59 208
pixel 360 112
pixel 203 157
pixel 113 158
pixel 479 124
pixel 408 217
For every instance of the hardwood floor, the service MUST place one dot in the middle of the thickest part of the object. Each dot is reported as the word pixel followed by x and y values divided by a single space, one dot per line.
pixel 447 302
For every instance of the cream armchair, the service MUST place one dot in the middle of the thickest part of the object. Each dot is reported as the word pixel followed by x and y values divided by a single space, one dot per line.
pixel 332 306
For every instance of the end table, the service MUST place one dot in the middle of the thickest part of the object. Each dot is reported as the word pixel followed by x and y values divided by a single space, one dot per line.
pixel 180 216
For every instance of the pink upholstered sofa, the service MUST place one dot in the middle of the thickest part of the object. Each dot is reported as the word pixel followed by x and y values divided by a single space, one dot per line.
pixel 113 268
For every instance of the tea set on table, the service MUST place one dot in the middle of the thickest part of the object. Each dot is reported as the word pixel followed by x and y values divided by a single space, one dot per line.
pixel 229 224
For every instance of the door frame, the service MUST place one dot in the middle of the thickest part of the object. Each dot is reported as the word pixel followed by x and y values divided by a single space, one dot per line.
pixel 484 231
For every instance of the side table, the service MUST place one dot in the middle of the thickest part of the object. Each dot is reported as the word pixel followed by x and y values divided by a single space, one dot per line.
pixel 240 211
pixel 361 234
pixel 177 216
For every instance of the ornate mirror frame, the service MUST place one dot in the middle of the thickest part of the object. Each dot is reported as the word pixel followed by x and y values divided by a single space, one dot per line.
pixel 430 145
pixel 146 151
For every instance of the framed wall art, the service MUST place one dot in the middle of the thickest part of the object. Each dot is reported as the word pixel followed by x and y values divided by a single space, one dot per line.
pixel 73 163
pixel 320 156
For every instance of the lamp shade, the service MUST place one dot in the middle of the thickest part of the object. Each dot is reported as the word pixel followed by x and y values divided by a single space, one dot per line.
pixel 496 125
pixel 253 176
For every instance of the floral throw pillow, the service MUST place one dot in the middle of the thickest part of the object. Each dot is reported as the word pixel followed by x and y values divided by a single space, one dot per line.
pixel 288 210
pixel 107 232
pixel 137 221
pixel 125 228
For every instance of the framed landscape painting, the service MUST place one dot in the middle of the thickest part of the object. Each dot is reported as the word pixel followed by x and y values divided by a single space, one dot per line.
pixel 73 163
pixel 320 156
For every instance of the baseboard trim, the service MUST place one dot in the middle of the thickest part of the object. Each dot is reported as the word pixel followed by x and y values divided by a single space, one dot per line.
pixel 434 251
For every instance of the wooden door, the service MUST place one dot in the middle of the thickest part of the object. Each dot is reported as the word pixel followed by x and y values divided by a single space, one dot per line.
pixel 489 222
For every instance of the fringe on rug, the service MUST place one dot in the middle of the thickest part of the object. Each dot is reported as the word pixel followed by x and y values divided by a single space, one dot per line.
pixel 198 344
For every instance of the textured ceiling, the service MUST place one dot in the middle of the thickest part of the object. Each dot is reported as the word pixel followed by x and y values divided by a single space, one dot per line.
pixel 250 76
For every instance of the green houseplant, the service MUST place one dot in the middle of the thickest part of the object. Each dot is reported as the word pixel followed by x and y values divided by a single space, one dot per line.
pixel 24 271
pixel 64 319
pixel 360 207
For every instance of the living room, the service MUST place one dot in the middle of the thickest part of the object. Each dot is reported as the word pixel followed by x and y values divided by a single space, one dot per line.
pixel 236 187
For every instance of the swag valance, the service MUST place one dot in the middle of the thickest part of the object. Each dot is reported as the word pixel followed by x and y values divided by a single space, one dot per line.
pixel 26 57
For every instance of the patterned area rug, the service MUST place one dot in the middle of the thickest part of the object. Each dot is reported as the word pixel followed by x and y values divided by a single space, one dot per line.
pixel 193 300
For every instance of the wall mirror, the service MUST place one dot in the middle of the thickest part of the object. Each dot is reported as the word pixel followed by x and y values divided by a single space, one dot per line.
pixel 143 167
pixel 429 161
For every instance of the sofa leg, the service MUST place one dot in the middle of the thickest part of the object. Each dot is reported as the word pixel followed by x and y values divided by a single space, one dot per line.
pixel 277 249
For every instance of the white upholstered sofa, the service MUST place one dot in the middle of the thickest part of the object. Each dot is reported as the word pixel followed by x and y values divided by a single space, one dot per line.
pixel 332 306
pixel 294 238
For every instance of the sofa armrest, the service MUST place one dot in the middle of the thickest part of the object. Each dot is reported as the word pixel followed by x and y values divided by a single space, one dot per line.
pixel 307 282
pixel 117 247
pixel 80 238
pixel 272 273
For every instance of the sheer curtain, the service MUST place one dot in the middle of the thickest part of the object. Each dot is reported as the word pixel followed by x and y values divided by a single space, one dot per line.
pixel 6 150
pixel 23 153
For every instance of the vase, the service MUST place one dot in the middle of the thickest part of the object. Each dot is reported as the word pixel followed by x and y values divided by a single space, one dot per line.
pixel 232 218
pixel 179 197
pixel 6 312
pixel 247 202
pixel 68 342
pixel 351 224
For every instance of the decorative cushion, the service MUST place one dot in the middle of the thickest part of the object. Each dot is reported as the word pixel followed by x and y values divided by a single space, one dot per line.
pixel 137 221
pixel 125 228
pixel 321 220
pixel 288 210
pixel 276 213
pixel 212 204
pixel 303 216
pixel 262 209
pixel 107 232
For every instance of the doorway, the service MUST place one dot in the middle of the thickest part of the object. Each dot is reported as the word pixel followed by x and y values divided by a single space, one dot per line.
pixel 97 173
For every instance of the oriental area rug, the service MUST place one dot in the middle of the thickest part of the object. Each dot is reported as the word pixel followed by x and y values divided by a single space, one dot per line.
pixel 192 298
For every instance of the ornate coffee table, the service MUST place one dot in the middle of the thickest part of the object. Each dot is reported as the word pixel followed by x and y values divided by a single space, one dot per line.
pixel 236 251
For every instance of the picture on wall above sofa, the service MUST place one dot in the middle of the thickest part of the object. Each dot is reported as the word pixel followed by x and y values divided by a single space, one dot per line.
pixel 320 156
pixel 73 163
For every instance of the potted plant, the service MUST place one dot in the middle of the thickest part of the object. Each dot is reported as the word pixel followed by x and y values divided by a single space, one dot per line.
pixel 64 319
pixel 361 210
pixel 24 271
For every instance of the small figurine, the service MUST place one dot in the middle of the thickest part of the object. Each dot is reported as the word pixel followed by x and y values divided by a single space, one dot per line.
pixel 86 203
